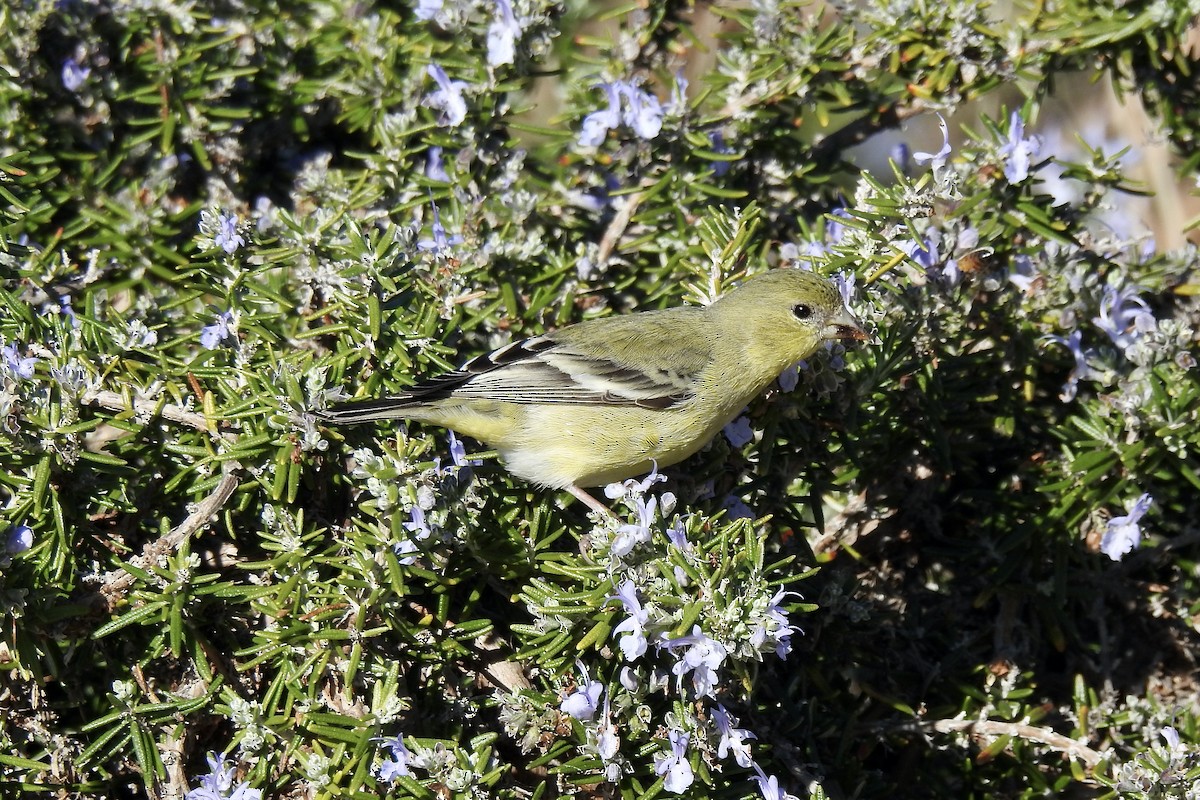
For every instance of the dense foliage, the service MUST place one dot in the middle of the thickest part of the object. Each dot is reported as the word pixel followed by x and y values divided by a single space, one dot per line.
pixel 958 561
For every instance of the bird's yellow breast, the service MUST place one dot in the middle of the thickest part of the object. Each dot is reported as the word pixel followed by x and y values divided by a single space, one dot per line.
pixel 561 445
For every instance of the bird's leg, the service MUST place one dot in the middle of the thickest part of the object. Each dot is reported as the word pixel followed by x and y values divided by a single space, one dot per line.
pixel 589 501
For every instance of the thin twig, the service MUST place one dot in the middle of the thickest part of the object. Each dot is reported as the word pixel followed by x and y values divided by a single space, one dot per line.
pixel 616 229
pixel 1018 730
pixel 117 583
pixel 171 753
pixel 114 401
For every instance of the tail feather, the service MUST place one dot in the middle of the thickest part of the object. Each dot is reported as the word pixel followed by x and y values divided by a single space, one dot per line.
pixel 358 411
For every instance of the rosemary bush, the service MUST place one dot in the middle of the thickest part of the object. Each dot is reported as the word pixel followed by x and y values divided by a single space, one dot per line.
pixel 958 561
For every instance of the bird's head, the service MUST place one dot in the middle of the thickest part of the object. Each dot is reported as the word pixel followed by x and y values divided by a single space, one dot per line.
pixel 785 315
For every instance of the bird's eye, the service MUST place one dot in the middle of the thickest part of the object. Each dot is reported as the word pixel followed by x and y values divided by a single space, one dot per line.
pixel 802 311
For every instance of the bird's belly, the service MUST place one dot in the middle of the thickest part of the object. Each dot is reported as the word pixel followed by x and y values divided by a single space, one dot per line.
pixel 587 446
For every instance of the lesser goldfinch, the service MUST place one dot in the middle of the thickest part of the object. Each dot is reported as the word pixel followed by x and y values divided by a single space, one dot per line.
pixel 603 400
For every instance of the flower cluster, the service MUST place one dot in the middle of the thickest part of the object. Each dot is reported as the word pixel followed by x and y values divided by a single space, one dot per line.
pixel 395 482
pixel 440 245
pixel 16 366
pixel 632 105
pixel 459 771
pixel 1125 318
pixel 223 231
pixel 733 626
pixel 213 335
pixel 1169 769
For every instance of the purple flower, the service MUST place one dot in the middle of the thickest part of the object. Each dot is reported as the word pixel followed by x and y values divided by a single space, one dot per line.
pixel 835 354
pixel 460 464
pixel 227 237
pixel 218 784
pixel 458 452
pixel 775 624
pixel 427 9
pixel 396 766
pixel 20 539
pixel 447 98
pixel 845 284
pixel 433 166
pixel 597 124
pixel 924 253
pixel 502 35
pixel 633 643
pixel 1172 737
pixel 1149 248
pixel 418 530
pixel 678 101
pixel 406 552
pixel 739 431
pixel 417 523
pixel 1018 151
pixel 675 764
pixel 1073 342
pixel 717 140
pixel 736 509
pixel 441 244
pixel 607 740
pixel 900 154
pixel 643 112
pixel 74 74
pixel 834 230
pixel 733 740
pixel 789 378
pixel 677 535
pixel 768 785
pixel 702 657
pixel 211 336
pixel 928 254
pixel 64 308
pixel 1123 533
pixel 631 534
pixel 582 703
pixel 937 160
pixel 968 239
pixel 631 487
pixel 21 367
pixel 267 215
pixel 1124 316
pixel 1022 275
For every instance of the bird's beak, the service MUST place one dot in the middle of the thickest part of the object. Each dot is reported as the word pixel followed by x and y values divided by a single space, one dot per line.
pixel 843 325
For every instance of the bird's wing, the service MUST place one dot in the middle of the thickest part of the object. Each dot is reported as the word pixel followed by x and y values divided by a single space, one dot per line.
pixel 610 364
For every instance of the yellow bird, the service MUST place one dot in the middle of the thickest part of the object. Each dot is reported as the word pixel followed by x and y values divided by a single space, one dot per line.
pixel 598 402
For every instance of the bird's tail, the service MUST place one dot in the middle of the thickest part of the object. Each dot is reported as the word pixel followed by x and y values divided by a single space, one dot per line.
pixel 357 411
